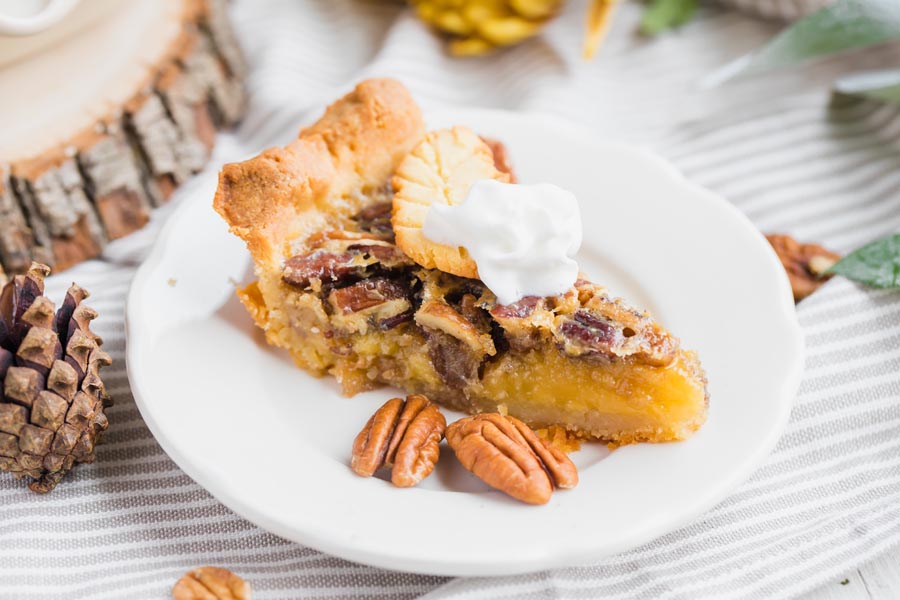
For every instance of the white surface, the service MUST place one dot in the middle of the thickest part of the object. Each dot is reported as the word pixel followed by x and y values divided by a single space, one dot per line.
pixel 68 77
pixel 230 410
pixel 522 237
pixel 27 17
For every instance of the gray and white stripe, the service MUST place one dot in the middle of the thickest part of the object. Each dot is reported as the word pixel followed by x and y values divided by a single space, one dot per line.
pixel 827 499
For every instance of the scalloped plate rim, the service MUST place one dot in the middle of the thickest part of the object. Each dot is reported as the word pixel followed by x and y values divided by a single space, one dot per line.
pixel 407 559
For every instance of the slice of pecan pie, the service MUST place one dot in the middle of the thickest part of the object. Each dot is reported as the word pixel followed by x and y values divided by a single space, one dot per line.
pixel 336 292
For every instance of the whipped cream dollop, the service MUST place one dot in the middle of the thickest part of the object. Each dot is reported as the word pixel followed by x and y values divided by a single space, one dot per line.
pixel 522 237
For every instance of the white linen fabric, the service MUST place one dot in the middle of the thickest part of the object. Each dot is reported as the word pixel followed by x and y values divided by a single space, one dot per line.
pixel 827 499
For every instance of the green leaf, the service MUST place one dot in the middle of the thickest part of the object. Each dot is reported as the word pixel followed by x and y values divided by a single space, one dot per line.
pixel 876 264
pixel 667 14
pixel 878 85
pixel 839 27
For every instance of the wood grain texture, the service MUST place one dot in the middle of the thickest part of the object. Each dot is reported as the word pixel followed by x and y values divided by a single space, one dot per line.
pixel 64 205
pixel 875 580
pixel 882 576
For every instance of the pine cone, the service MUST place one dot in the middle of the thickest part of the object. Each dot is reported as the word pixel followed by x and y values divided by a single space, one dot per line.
pixel 52 397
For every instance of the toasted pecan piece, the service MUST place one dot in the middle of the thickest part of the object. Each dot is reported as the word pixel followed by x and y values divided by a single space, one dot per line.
pixel 323 266
pixel 403 435
pixel 339 257
pixel 506 454
pixel 440 316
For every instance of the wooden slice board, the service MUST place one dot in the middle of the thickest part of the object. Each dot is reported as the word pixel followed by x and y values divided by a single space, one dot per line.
pixel 102 122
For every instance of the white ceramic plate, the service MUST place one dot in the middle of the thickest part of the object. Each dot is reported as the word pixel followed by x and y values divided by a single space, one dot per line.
pixel 273 443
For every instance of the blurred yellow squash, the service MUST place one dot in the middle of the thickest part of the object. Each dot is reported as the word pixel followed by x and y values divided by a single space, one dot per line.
pixel 480 26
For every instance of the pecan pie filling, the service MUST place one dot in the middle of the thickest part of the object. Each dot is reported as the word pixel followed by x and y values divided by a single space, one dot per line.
pixel 337 293
pixel 473 354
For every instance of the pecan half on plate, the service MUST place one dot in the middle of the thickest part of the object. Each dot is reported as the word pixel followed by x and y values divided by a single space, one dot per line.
pixel 507 455
pixel 403 435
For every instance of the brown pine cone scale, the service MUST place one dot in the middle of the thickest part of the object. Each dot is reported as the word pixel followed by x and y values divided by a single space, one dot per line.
pixel 52 399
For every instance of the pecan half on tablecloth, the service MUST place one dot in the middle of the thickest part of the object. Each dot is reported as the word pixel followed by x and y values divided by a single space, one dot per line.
pixel 211 583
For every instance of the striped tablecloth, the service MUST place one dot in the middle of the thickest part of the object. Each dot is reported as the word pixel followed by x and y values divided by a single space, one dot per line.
pixel 827 499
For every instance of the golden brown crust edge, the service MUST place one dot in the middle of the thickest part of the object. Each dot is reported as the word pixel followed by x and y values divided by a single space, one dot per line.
pixel 286 193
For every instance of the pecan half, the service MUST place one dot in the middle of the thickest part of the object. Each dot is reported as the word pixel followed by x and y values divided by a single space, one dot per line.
pixel 591 330
pixel 805 263
pixel 369 293
pixel 341 259
pixel 403 435
pixel 506 454
pixel 322 265
pixel 375 302
pixel 607 329
pixel 211 583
